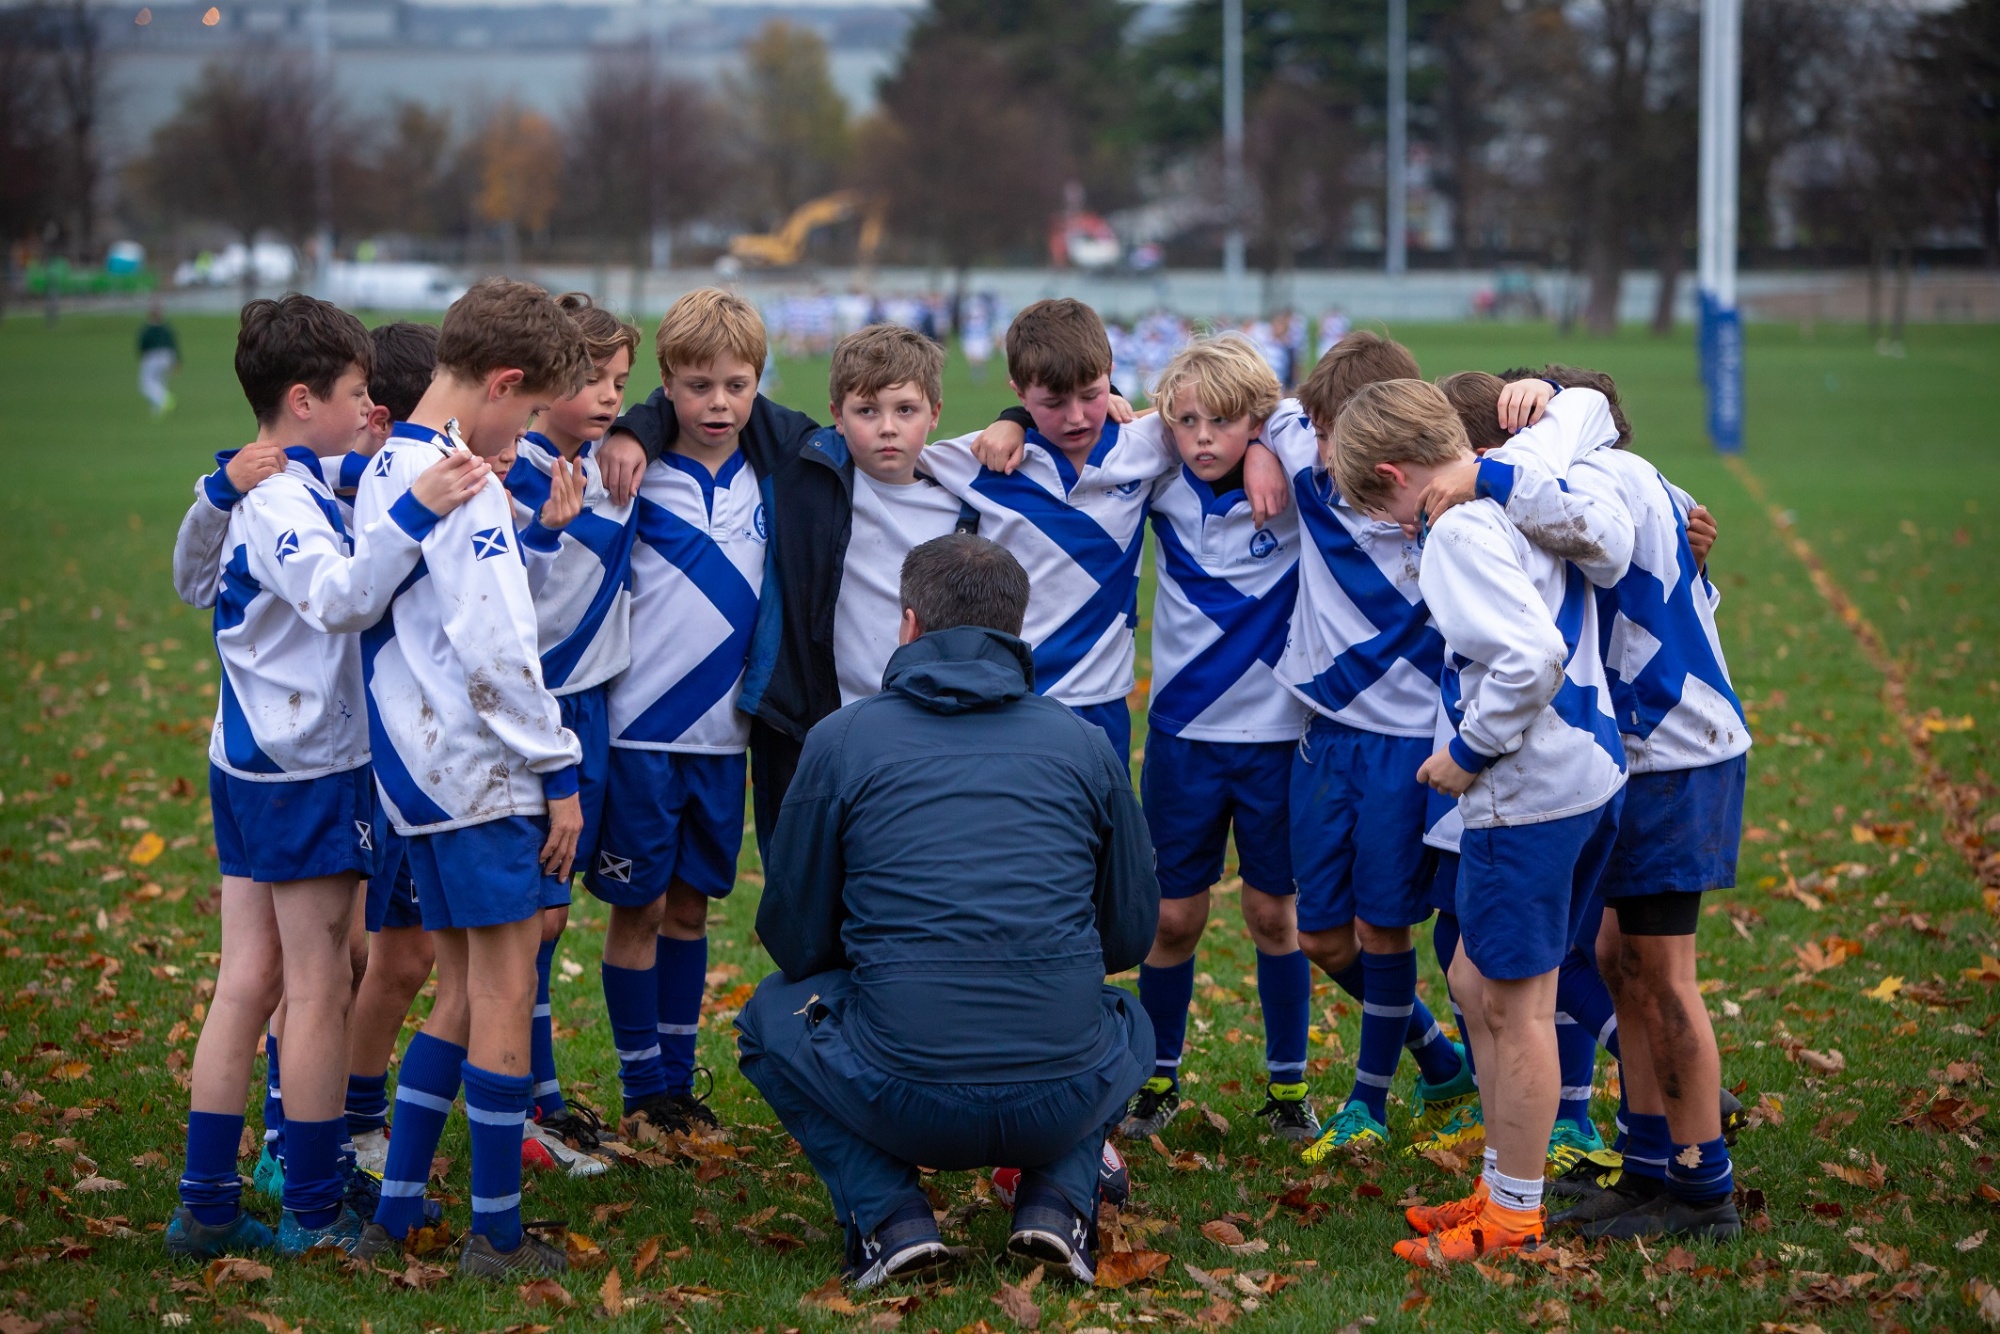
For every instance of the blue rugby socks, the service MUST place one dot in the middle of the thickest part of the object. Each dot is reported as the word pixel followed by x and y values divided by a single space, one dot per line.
pixel 631 1000
pixel 367 1103
pixel 1576 1052
pixel 683 972
pixel 313 1180
pixel 542 1043
pixel 210 1187
pixel 496 1105
pixel 1584 1021
pixel 1700 1173
pixel 1284 991
pixel 1387 1006
pixel 424 1093
pixel 1165 994
pixel 1648 1145
pixel 274 1100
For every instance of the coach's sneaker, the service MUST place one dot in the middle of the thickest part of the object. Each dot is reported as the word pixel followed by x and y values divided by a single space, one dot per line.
pixel 1667 1215
pixel 903 1245
pixel 1289 1113
pixel 693 1109
pixel 1352 1128
pixel 188 1238
pixel 1152 1108
pixel 1466 1125
pixel 542 1151
pixel 1425 1219
pixel 1570 1144
pixel 478 1259
pixel 1732 1116
pixel 1494 1228
pixel 270 1174
pixel 1114 1180
pixel 1439 1104
pixel 342 1234
pixel 1592 1174
pixel 1048 1231
pixel 371 1150
pixel 1623 1193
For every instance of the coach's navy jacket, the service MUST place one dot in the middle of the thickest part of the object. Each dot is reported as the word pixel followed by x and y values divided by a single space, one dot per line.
pixel 974 853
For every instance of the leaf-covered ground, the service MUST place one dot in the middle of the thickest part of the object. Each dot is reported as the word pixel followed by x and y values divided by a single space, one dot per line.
pixel 1852 974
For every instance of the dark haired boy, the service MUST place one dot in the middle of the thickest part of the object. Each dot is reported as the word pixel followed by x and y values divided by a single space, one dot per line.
pixel 289 782
pixel 475 768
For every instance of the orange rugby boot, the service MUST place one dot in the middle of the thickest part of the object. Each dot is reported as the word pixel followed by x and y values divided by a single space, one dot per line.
pixel 1426 1219
pixel 1493 1230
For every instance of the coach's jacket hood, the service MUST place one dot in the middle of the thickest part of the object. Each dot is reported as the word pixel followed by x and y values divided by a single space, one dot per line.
pixel 956 671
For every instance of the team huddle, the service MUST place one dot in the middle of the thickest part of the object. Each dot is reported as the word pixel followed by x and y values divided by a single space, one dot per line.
pixel 1418 649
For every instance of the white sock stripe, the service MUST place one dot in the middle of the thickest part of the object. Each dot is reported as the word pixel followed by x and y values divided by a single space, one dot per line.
pixel 650 1053
pixel 495 1204
pixel 1298 1068
pixel 419 1098
pixel 546 1087
pixel 1373 1081
pixel 680 1030
pixel 273 1093
pixel 271 1136
pixel 401 1190
pixel 1418 1044
pixel 543 1011
pixel 485 1116
pixel 1387 1011
pixel 1637 1158
pixel 1604 1033
pixel 1576 1092
pixel 1563 1018
pixel 1174 1064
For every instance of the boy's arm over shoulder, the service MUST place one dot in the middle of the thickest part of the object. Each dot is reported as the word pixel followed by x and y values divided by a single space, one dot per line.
pixel 303 558
pixel 805 882
pixel 489 619
pixel 1490 612
pixel 1585 521
pixel 1289 434
pixel 951 464
pixel 1128 891
pixel 774 435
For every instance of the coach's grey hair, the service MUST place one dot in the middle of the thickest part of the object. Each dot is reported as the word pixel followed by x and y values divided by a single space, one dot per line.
pixel 963 579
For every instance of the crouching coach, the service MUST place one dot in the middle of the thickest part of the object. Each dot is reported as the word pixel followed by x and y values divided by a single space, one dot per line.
pixel 958 865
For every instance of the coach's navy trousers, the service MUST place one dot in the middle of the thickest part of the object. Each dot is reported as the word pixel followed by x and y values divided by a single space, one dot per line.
pixel 866 1130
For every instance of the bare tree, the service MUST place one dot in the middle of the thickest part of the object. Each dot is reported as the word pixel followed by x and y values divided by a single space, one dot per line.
pixel 29 139
pixel 794 118
pixel 645 152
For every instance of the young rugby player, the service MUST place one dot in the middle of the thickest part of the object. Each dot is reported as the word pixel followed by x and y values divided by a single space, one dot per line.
pixel 673 813
pixel 1364 657
pixel 1538 770
pixel 475 768
pixel 1220 727
pixel 294 807
pixel 577 541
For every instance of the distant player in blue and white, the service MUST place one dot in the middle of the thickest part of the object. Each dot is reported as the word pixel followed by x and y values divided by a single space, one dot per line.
pixel 1364 657
pixel 289 782
pixel 1073 510
pixel 1220 726
pixel 577 541
pixel 1686 744
pixel 475 769
pixel 1538 770
pixel 673 815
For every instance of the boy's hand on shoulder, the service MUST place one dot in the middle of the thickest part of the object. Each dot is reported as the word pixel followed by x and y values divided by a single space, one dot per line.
pixel 253 463
pixel 451 481
pixel 1701 533
pixel 1265 483
pixel 1522 403
pixel 1002 446
pixel 1441 772
pixel 565 827
pixel 565 500
pixel 1120 410
pixel 1454 484
pixel 622 461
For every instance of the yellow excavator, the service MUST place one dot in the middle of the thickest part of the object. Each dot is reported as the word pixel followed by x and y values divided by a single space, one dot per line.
pixel 787 246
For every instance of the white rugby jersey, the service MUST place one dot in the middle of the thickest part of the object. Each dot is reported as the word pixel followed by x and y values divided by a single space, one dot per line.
pixel 293 590
pixel 1523 683
pixel 464 731
pixel 205 527
pixel 888 522
pixel 1362 648
pixel 581 576
pixel 1540 477
pixel 1670 686
pixel 697 571
pixel 1078 534
pixel 1221 607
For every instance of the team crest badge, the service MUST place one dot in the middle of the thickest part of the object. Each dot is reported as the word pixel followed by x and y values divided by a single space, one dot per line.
pixel 1263 543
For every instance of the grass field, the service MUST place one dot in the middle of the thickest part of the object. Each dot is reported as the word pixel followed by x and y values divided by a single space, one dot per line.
pixel 1846 971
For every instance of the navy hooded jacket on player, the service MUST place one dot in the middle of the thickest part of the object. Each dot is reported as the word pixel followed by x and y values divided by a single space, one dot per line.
pixel 974 854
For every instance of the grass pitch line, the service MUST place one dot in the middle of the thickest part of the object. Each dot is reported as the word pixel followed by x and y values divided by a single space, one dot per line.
pixel 1958 804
